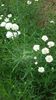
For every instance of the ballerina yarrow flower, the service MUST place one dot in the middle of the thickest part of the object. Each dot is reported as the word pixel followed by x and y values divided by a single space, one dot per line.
pixel 1 15
pixel 49 58
pixel 35 57
pixel 29 2
pixel 3 24
pixel 41 69
pixel 8 26
pixel 2 5
pixel 44 38
pixel 45 50
pixel 9 34
pixel 15 34
pixel 18 32
pixel 36 63
pixel 52 22
pixel 6 19
pixel 36 0
pixel 9 15
pixel 50 44
pixel 36 47
pixel 15 27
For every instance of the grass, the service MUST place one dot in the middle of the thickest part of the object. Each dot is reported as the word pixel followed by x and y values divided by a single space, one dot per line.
pixel 19 77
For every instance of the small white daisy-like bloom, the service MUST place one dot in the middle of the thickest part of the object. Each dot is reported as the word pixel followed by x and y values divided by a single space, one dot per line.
pixel 49 58
pixel 45 50
pixel 18 32
pixel 50 44
pixel 35 58
pixel 9 34
pixel 15 27
pixel 36 63
pixel 44 38
pixel 36 47
pixel 9 15
pixel 8 26
pixel 52 22
pixel 1 15
pixel 15 34
pixel 41 69
pixel 3 24
pixel 36 0
pixel 29 2
pixel 2 5
pixel 6 19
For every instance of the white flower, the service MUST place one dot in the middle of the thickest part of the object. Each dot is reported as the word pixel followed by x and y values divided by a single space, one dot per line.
pixel 9 34
pixel 36 63
pixel 35 57
pixel 18 32
pixel 9 15
pixel 29 2
pixel 2 5
pixel 6 19
pixel 1 15
pixel 36 0
pixel 52 22
pixel 15 34
pixel 41 69
pixel 3 24
pixel 50 44
pixel 44 38
pixel 15 27
pixel 36 47
pixel 8 26
pixel 45 50
pixel 49 58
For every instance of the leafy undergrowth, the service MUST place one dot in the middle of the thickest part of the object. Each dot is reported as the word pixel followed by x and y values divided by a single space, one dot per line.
pixel 19 76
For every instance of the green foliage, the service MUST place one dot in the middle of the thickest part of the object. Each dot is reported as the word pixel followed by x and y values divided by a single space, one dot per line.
pixel 19 77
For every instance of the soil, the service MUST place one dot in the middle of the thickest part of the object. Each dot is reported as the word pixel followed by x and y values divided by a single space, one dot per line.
pixel 47 10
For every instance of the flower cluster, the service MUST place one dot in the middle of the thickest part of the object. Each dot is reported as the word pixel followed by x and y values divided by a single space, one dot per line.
pixel 12 28
pixel 2 5
pixel 45 51
pixel 29 2
pixel 52 22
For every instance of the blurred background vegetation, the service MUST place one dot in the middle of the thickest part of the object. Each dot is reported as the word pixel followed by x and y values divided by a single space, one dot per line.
pixel 19 77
